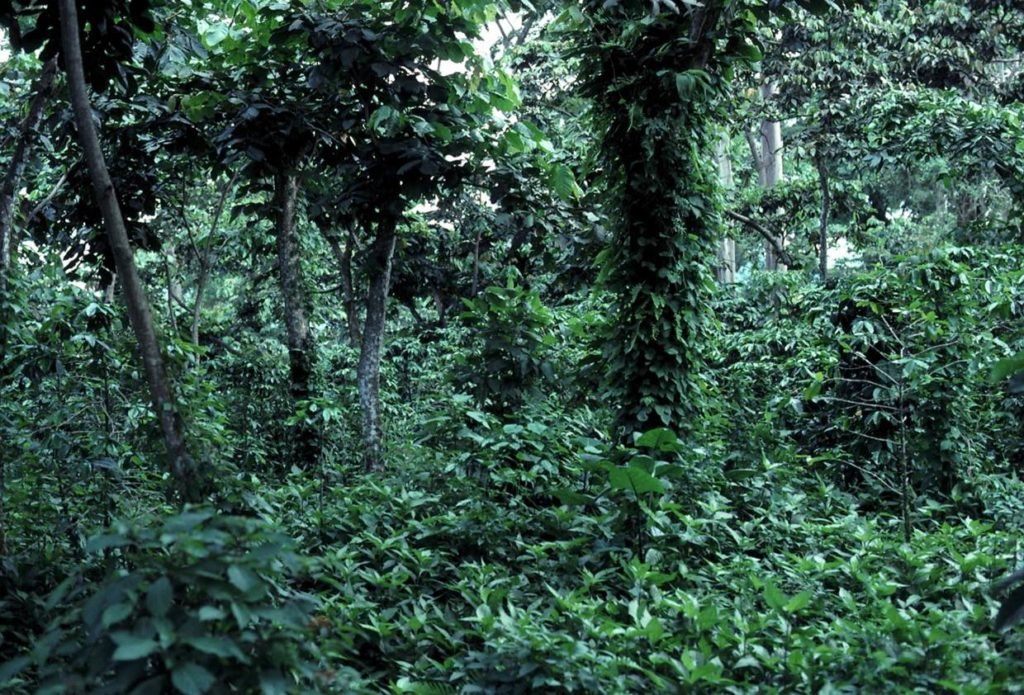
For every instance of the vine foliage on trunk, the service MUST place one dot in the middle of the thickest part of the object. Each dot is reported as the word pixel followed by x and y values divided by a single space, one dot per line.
pixel 653 99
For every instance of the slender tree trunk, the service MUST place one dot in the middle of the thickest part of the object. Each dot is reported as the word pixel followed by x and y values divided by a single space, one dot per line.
pixel 301 349
pixel 42 90
pixel 343 255
pixel 191 481
pixel 770 170
pixel 205 259
pixel 826 203
pixel 368 372
pixel 726 245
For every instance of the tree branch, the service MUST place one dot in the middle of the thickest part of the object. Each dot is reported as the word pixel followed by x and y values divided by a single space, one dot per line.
pixel 781 252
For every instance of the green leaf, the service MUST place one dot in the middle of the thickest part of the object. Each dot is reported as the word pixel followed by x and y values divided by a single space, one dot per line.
pixel 774 597
pixel 570 497
pixel 159 597
pixel 635 479
pixel 244 579
pixel 1007 367
pixel 274 683
pixel 104 541
pixel 192 679
pixel 116 613
pixel 659 439
pixel 218 646
pixel 10 669
pixel 563 183
pixel 798 602
pixel 136 649
pixel 208 613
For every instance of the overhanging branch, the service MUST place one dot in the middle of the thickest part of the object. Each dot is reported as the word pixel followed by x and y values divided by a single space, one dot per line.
pixel 781 252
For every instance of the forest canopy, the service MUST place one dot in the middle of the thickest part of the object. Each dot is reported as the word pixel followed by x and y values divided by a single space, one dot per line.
pixel 501 346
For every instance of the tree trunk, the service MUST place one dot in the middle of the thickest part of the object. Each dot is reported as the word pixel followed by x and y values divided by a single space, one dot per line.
pixel 344 258
pixel 205 259
pixel 770 171
pixel 191 481
pixel 301 350
pixel 667 214
pixel 726 270
pixel 368 372
pixel 42 90
pixel 826 202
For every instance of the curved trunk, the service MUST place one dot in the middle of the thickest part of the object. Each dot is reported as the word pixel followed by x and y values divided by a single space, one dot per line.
pixel 368 373
pixel 301 349
pixel 191 481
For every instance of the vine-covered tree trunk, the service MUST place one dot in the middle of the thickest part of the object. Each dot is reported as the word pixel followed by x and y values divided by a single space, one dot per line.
pixel 654 101
pixel 190 479
pixel 368 372
pixel 301 349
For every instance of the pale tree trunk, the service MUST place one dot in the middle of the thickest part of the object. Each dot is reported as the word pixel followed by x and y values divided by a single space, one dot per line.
pixel 770 169
pixel 726 245
pixel 190 480
pixel 368 373
pixel 826 203
pixel 301 349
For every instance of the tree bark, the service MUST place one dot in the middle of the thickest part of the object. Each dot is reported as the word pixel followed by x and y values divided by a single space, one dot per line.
pixel 301 350
pixel 205 259
pixel 343 255
pixel 190 479
pixel 826 202
pixel 726 270
pixel 42 90
pixel 770 171
pixel 368 372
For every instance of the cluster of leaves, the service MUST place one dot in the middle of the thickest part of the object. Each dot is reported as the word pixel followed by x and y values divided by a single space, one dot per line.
pixel 198 603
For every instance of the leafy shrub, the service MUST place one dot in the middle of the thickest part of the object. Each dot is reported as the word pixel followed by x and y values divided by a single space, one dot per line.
pixel 199 604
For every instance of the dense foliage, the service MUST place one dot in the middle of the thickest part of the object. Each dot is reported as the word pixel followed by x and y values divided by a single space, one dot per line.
pixel 427 384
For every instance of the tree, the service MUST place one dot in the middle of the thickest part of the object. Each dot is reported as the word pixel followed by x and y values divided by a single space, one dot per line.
pixel 188 476
pixel 651 78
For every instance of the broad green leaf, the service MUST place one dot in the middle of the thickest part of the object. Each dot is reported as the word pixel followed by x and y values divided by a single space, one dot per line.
pixel 136 649
pixel 104 541
pixel 659 439
pixel 635 479
pixel 244 579
pixel 563 183
pixel 218 646
pixel 798 602
pixel 773 596
pixel 208 613
pixel 192 679
pixel 274 683
pixel 159 597
pixel 1007 367
pixel 570 497
pixel 116 613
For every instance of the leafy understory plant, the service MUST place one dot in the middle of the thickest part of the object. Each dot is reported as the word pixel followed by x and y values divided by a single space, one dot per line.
pixel 197 603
